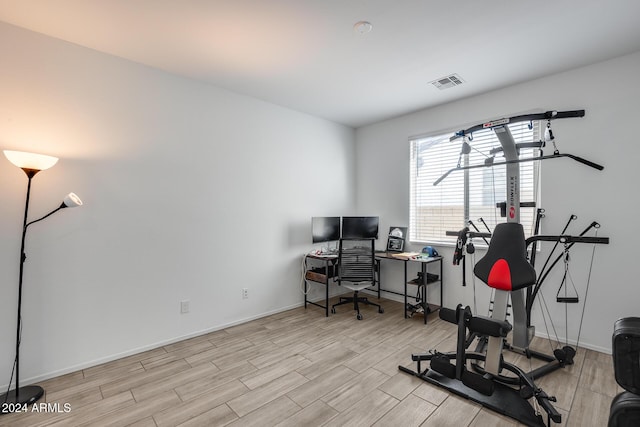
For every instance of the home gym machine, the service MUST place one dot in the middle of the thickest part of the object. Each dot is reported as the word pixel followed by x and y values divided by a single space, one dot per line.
pixel 483 375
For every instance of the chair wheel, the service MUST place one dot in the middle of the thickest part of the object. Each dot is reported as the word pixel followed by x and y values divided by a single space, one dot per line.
pixel 333 310
pixel 359 316
pixel 381 310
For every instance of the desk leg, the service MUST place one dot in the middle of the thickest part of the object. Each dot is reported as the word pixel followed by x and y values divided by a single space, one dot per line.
pixel 326 286
pixel 405 290
pixel 306 289
pixel 326 304
pixel 306 285
pixel 441 281
pixel 425 305
pixel 378 269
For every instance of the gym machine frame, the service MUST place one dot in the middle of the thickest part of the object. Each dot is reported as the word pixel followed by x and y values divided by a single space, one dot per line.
pixel 487 386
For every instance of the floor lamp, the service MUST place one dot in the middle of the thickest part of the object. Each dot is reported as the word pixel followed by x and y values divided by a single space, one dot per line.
pixel 31 164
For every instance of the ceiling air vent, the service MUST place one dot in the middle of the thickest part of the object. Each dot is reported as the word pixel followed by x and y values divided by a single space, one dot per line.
pixel 447 82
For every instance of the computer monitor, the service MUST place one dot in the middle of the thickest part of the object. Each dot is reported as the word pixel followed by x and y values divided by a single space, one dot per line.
pixel 325 229
pixel 360 227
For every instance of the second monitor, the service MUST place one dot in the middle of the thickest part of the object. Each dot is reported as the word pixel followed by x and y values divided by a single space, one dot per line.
pixel 360 227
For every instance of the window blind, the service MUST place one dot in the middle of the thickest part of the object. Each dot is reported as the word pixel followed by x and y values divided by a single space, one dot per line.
pixel 434 210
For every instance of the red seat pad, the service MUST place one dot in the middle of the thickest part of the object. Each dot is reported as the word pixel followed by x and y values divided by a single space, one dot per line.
pixel 505 264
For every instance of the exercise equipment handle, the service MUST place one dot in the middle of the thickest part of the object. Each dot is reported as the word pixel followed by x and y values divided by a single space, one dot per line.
pixel 530 159
pixel 547 115
pixel 565 238
pixel 584 161
pixel 543 400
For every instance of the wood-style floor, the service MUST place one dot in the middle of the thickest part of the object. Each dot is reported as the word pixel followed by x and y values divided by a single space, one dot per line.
pixel 298 368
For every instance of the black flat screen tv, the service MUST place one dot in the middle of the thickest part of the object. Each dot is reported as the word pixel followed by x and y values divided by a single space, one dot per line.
pixel 360 227
pixel 325 229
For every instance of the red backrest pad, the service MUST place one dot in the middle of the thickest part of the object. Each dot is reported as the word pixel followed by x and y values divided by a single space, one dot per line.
pixel 505 264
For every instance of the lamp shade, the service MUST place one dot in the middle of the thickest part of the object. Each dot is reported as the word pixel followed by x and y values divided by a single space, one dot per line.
pixel 32 161
pixel 72 200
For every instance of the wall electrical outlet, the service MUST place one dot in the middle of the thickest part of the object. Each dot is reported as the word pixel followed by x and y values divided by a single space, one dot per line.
pixel 184 306
pixel 245 293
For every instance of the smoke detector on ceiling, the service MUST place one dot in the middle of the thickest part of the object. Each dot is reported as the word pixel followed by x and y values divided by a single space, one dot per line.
pixel 362 27
pixel 447 82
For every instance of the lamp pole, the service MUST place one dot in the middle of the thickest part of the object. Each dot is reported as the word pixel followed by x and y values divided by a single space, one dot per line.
pixel 29 394
pixel 17 399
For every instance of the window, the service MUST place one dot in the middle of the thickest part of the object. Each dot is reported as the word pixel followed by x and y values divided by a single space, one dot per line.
pixel 434 210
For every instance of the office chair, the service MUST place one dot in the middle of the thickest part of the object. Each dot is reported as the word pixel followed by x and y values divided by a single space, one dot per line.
pixel 356 271
pixel 625 407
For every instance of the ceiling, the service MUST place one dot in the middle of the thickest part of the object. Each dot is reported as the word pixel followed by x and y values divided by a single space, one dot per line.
pixel 306 55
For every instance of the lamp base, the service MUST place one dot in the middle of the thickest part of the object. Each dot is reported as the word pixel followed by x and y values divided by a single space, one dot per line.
pixel 15 402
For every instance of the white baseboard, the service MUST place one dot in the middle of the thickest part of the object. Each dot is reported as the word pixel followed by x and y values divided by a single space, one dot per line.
pixel 600 349
pixel 110 358
pixel 131 352
pixel 574 343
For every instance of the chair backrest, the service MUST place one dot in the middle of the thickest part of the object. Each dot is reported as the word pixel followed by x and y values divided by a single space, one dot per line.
pixel 505 264
pixel 356 260
pixel 626 353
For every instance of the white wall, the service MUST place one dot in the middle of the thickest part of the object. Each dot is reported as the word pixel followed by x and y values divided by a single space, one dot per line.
pixel 190 191
pixel 606 135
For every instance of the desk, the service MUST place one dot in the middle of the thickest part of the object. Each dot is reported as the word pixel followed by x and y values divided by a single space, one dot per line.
pixel 325 274
pixel 320 275
pixel 424 262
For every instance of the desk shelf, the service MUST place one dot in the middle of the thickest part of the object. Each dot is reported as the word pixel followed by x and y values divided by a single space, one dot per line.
pixel 430 280
pixel 412 309
pixel 320 274
pixel 319 269
pixel 427 307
